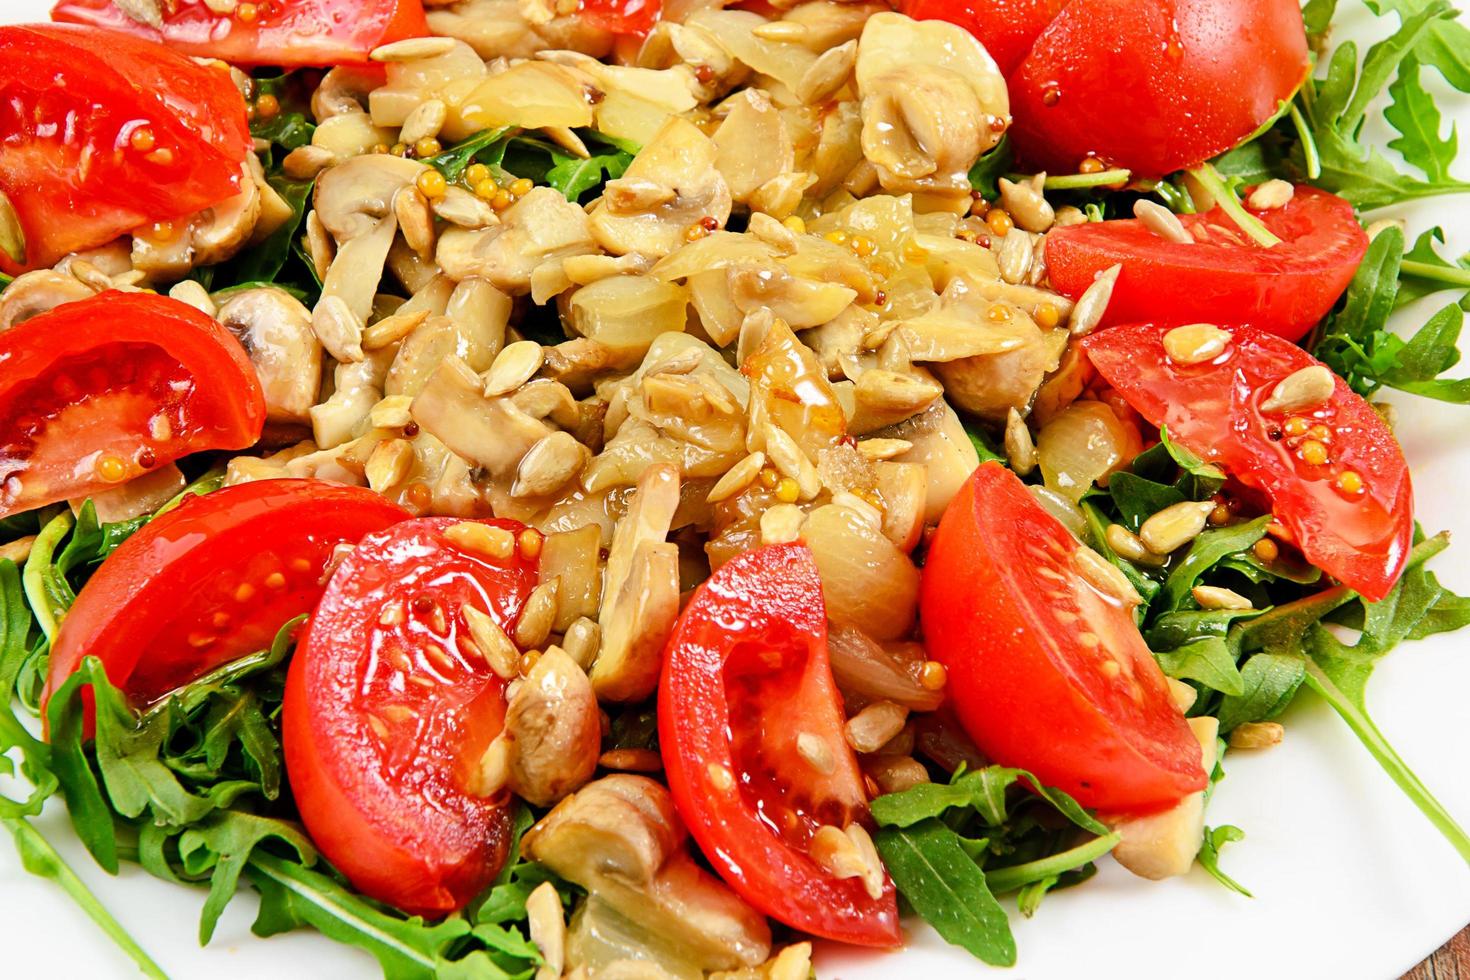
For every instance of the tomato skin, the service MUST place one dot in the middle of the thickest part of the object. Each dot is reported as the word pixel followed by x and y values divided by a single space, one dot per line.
pixel 387 714
pixel 1154 87
pixel 1212 409
pixel 289 33
pixel 137 377
pixel 716 709
pixel 622 16
pixel 148 608
pixel 91 184
pixel 1285 289
pixel 1026 687
pixel 1007 28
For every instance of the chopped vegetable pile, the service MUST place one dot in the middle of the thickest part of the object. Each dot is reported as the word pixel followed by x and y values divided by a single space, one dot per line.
pixel 619 488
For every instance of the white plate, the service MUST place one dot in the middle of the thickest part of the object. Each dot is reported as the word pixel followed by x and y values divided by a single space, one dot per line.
pixel 1350 881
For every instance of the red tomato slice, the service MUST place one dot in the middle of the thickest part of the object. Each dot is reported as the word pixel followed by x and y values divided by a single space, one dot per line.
pixel 389 708
pixel 1155 87
pixel 1046 671
pixel 622 16
pixel 1222 277
pixel 290 33
pixel 1007 28
pixel 745 673
pixel 97 392
pixel 1352 515
pixel 102 133
pixel 210 581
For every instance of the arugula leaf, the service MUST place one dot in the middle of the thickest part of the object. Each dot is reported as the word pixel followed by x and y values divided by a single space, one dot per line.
pixel 945 886
pixel 575 176
pixel 262 263
pixel 1269 681
pixel 1209 855
pixel 220 846
pixel 1205 552
pixel 1415 115
pixel 1208 661
pixel 985 175
pixel 1424 270
pixel 487 146
pixel 984 790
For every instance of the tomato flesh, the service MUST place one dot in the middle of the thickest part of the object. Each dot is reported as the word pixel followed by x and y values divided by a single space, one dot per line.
pixel 622 16
pixel 1222 277
pixel 210 581
pixel 102 133
pixel 1360 535
pixel 745 673
pixel 389 707
pixel 289 33
pixel 1007 28
pixel 1046 671
pixel 98 392
pixel 1154 87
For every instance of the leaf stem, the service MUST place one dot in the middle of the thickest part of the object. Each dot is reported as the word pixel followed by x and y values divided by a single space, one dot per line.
pixel 1210 179
pixel 41 859
pixel 1437 273
pixel 1072 182
pixel 34 576
pixel 1310 155
pixel 1004 880
pixel 1392 763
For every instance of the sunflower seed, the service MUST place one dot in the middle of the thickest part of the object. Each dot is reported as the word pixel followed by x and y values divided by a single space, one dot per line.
pixel 1161 221
pixel 424 122
pixel 1271 195
pixel 1019 446
pixel 1014 256
pixel 1093 302
pixel 490 640
pixel 1025 203
pixel 415 221
pixel 516 364
pixel 1301 390
pixel 1175 526
pixel 392 329
pixel 338 329
pixel 1181 694
pixel 787 457
pixel 1215 597
pixel 1257 735
pixel 581 641
pixel 389 463
pixel 191 292
pixel 484 539
pixel 780 30
pixel 537 616
pixel 12 236
pixel 827 74
pixel 1195 343
pixel 306 162
pixel 792 963
pixel 391 413
pixel 459 207
pixel 878 450
pixel 413 48
pixel 816 753
pixel 875 726
pixel 737 478
pixel 1127 545
pixel 493 770
pixel 552 463
pixel 1106 577
pixel 548 928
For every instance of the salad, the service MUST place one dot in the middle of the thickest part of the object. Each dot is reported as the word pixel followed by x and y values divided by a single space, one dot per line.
pixel 620 489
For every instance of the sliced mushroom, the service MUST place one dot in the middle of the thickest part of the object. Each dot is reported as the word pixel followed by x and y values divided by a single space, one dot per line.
pixel 275 329
pixel 640 597
pixel 621 839
pixel 353 197
pixel 499 29
pixel 1163 845
pixel 932 102
pixel 357 388
pixel 940 444
pixel 554 730
pixel 752 145
pixel 344 89
pixel 680 159
pixel 538 231
pixel 491 432
pixel 33 293
pixel 349 289
pixel 210 236
pixel 627 313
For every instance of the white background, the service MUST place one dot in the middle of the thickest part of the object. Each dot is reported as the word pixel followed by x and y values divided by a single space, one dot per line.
pixel 1350 881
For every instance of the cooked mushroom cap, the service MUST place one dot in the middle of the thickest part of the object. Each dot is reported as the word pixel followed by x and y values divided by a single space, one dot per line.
pixel 554 728
pixel 671 184
pixel 352 197
pixel 535 233
pixel 275 330
pixel 36 292
pixel 620 838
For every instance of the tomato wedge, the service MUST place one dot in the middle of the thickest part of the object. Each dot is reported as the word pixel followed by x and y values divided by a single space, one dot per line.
pixel 1007 28
pixel 97 392
pixel 290 33
pixel 1222 277
pixel 745 674
pixel 1047 671
pixel 102 133
pixel 622 16
pixel 210 581
pixel 1154 86
pixel 1334 474
pixel 389 708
